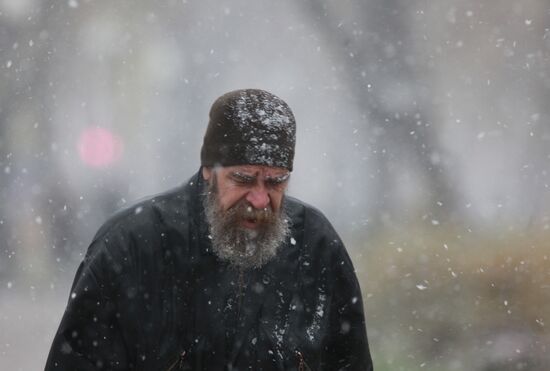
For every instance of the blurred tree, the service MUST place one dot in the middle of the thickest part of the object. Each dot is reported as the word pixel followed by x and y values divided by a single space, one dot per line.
pixel 376 55
pixel 25 136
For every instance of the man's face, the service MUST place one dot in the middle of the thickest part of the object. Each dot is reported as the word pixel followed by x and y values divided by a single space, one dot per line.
pixel 262 187
pixel 243 207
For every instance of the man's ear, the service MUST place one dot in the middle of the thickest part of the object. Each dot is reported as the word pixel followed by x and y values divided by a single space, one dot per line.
pixel 207 173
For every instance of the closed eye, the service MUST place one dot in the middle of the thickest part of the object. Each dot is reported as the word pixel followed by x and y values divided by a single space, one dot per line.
pixel 243 179
pixel 276 181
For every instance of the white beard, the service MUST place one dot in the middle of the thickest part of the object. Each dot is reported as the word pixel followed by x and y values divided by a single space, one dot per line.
pixel 243 248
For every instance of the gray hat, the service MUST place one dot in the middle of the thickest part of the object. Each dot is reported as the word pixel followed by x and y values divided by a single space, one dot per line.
pixel 249 127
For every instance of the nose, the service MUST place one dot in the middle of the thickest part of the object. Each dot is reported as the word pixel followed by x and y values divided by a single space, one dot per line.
pixel 258 197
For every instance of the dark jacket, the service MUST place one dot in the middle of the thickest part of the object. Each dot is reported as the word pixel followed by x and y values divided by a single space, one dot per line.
pixel 151 295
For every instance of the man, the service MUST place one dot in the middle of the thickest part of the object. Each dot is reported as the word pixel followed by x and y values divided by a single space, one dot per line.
pixel 223 273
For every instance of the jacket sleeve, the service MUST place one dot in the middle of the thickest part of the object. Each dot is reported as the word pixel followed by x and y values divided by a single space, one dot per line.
pixel 88 337
pixel 347 347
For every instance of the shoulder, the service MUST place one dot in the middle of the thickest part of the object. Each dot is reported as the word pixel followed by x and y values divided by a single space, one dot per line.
pixel 153 213
pixel 323 255
pixel 140 233
pixel 319 243
pixel 309 218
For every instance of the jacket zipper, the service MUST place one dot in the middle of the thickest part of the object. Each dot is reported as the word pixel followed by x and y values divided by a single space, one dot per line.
pixel 178 363
pixel 240 292
pixel 302 365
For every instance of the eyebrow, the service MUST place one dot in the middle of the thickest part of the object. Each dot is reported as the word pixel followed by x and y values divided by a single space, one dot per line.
pixel 277 179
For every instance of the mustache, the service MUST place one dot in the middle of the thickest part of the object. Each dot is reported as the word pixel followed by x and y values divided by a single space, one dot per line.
pixel 243 210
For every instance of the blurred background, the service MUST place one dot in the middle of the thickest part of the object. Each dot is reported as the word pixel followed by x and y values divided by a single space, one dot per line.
pixel 423 134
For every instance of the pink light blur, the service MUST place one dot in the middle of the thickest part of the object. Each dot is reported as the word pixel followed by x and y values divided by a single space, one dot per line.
pixel 99 147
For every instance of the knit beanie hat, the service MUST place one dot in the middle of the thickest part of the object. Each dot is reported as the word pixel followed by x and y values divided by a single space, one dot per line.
pixel 249 127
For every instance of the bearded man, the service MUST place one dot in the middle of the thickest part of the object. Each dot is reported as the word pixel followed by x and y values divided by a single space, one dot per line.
pixel 223 273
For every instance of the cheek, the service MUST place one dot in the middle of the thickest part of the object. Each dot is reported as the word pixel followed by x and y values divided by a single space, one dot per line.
pixel 276 201
pixel 230 199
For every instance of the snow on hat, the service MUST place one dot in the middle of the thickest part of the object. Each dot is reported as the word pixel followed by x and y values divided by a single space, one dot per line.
pixel 249 127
